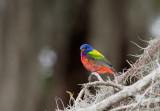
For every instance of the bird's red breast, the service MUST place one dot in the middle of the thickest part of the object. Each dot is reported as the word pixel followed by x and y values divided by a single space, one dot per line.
pixel 92 66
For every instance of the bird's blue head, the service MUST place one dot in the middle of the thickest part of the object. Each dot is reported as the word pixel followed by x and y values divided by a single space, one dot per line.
pixel 85 48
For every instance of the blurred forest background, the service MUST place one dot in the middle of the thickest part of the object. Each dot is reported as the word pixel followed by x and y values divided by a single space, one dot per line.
pixel 40 39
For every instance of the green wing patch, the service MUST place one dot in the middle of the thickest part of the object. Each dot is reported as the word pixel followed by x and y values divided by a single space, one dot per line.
pixel 96 55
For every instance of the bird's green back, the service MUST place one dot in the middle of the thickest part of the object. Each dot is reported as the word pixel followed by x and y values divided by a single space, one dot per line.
pixel 94 54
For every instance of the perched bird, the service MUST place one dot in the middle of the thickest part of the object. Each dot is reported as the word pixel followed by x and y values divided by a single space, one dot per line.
pixel 94 61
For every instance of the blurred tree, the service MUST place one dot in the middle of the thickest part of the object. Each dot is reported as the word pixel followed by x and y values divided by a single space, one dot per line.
pixel 107 29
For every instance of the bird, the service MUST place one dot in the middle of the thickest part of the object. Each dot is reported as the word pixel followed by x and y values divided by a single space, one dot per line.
pixel 94 61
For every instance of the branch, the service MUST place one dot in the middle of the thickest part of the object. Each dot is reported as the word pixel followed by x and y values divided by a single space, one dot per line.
pixel 97 83
pixel 107 83
pixel 126 92
pixel 121 108
pixel 143 103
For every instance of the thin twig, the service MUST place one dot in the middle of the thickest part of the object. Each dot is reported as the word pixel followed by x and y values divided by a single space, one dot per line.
pixel 80 95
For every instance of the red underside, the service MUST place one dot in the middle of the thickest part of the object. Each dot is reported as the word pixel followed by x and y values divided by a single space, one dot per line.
pixel 91 65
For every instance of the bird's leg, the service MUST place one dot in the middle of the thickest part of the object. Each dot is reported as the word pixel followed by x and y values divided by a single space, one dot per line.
pixel 94 76
pixel 97 76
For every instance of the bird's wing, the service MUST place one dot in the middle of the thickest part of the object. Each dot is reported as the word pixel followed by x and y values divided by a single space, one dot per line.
pixel 95 55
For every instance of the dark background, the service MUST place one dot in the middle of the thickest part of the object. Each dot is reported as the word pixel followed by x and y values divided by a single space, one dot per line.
pixel 40 40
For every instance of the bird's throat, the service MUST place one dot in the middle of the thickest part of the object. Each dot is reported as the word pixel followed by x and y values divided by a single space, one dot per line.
pixel 83 53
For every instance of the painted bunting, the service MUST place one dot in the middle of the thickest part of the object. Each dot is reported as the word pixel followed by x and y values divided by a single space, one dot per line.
pixel 94 61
